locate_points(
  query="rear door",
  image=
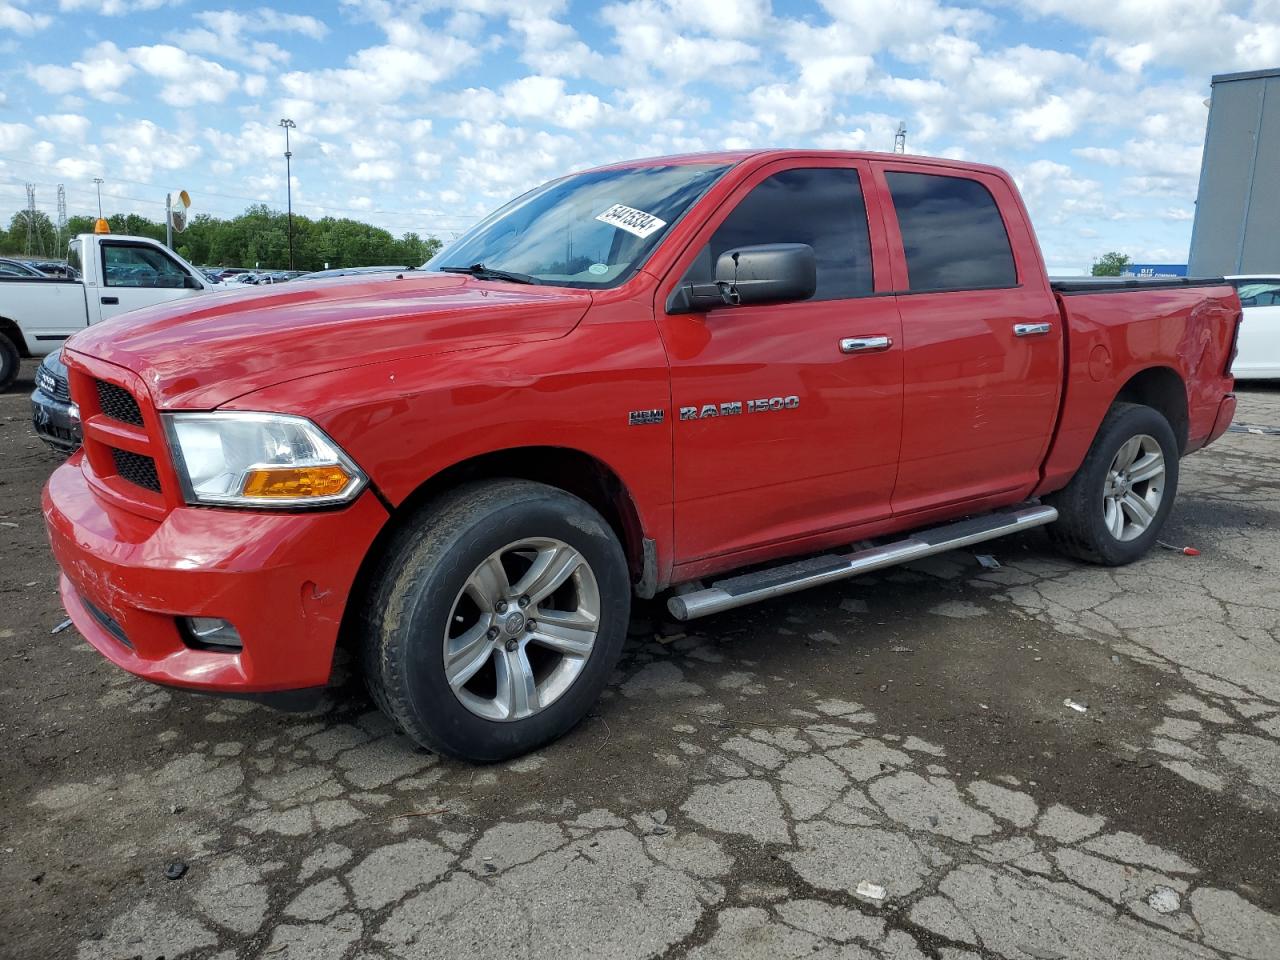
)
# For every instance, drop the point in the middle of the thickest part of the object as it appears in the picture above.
(780, 432)
(981, 334)
(135, 275)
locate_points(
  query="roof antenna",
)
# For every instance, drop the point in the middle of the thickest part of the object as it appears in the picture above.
(900, 138)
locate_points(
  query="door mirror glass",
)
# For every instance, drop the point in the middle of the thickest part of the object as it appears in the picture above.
(766, 273)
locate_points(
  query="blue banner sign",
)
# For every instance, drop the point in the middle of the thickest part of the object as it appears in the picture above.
(1155, 270)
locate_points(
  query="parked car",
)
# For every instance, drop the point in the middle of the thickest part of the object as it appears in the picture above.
(1258, 351)
(55, 418)
(114, 274)
(16, 268)
(349, 272)
(649, 376)
(53, 268)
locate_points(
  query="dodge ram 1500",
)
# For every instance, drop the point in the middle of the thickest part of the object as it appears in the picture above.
(727, 376)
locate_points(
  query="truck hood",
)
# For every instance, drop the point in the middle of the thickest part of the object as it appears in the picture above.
(202, 352)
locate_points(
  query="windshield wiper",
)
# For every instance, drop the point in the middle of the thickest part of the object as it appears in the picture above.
(481, 272)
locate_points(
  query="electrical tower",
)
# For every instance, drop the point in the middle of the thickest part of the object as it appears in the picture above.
(900, 138)
(35, 242)
(62, 218)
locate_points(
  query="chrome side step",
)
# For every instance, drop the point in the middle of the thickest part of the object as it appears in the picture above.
(789, 578)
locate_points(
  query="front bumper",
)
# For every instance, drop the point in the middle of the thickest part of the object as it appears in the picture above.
(282, 579)
(53, 421)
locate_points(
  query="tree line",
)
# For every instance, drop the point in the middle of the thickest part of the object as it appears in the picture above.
(258, 238)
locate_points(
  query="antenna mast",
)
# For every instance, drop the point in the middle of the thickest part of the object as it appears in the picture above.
(900, 138)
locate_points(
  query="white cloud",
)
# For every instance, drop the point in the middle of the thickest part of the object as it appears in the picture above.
(1196, 35)
(545, 98)
(228, 34)
(382, 74)
(113, 8)
(143, 148)
(187, 78)
(100, 73)
(14, 135)
(13, 17)
(1058, 116)
(68, 126)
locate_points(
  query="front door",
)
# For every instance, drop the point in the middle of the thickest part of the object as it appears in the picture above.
(981, 333)
(135, 275)
(783, 425)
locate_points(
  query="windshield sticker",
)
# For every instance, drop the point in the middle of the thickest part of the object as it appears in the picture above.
(598, 268)
(631, 220)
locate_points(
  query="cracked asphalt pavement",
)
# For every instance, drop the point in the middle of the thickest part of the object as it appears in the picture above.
(885, 768)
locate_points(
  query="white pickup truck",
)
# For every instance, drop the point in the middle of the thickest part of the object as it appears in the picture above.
(117, 274)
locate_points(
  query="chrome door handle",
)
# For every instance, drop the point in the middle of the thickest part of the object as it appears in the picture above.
(865, 344)
(1031, 329)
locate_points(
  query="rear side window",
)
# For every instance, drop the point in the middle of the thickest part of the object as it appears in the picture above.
(822, 207)
(952, 233)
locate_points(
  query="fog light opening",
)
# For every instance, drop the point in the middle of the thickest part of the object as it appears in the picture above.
(211, 633)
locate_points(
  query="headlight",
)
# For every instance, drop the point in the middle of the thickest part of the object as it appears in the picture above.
(259, 460)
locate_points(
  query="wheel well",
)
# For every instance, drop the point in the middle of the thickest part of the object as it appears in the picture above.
(570, 470)
(1161, 389)
(10, 329)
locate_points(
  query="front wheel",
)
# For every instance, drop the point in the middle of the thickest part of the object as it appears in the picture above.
(496, 620)
(1114, 507)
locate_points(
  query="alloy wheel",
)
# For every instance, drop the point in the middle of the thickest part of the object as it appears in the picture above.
(521, 629)
(1134, 488)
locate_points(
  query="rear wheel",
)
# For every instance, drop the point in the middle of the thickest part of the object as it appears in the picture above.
(10, 362)
(1114, 507)
(497, 619)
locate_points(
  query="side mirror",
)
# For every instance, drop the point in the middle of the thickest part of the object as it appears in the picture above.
(767, 273)
(190, 282)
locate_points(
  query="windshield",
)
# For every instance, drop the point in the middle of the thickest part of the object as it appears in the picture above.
(587, 230)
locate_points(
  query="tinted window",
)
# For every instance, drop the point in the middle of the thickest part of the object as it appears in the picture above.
(952, 233)
(128, 266)
(820, 207)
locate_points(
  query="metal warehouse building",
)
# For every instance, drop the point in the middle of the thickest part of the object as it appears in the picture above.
(1237, 225)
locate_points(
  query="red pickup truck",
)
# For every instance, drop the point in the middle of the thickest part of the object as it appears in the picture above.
(728, 376)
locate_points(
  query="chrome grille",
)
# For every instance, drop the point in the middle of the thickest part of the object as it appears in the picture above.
(118, 404)
(52, 384)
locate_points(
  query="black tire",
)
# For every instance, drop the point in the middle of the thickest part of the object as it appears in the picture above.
(1080, 530)
(10, 363)
(412, 599)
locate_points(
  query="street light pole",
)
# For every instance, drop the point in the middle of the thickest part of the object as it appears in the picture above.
(98, 181)
(288, 179)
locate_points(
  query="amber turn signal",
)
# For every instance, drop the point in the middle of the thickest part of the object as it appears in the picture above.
(294, 483)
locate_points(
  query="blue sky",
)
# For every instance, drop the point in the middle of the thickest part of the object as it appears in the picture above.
(424, 115)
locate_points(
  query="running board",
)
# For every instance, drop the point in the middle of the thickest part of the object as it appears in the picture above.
(789, 578)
